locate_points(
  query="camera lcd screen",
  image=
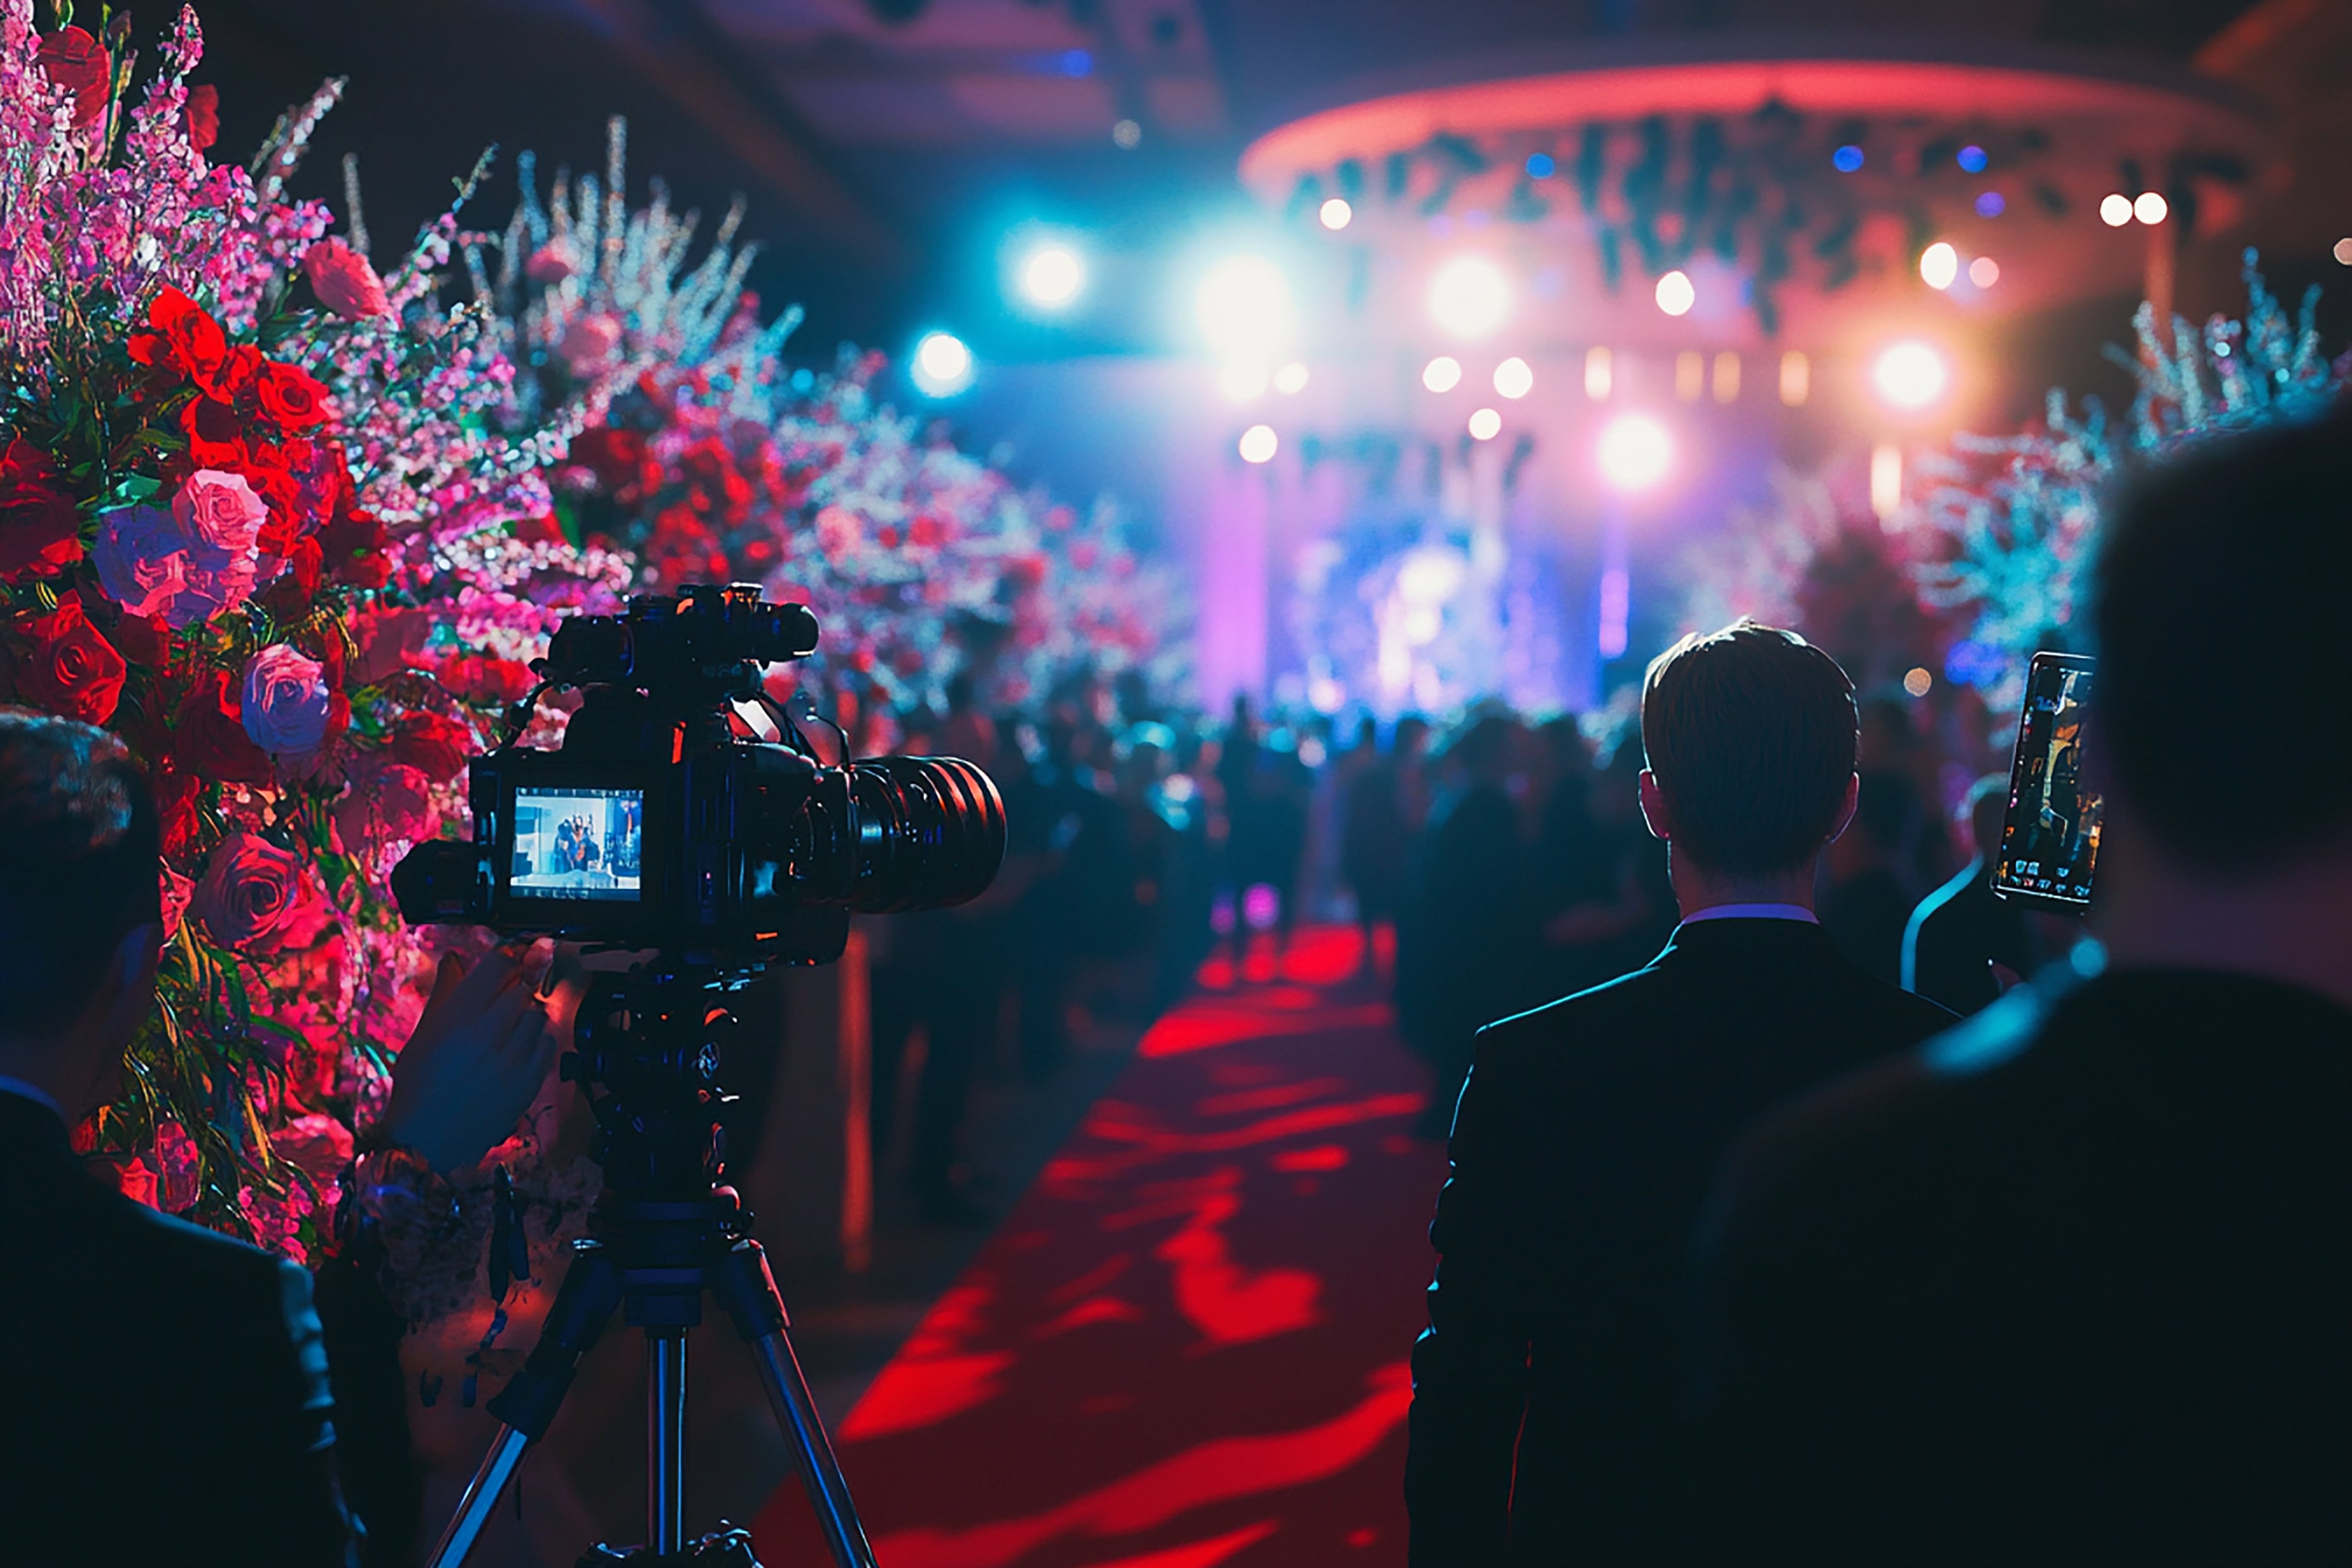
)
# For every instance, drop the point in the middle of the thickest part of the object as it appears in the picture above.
(577, 842)
(2049, 840)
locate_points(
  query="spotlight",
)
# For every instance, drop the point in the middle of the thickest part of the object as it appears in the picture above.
(1486, 424)
(1513, 378)
(1442, 374)
(1291, 378)
(2150, 208)
(1469, 296)
(1245, 307)
(942, 364)
(1675, 293)
(1052, 276)
(2115, 210)
(1259, 443)
(1940, 264)
(1336, 214)
(1910, 374)
(1634, 453)
(1984, 272)
(1243, 381)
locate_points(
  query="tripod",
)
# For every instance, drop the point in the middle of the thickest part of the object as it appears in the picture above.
(647, 1051)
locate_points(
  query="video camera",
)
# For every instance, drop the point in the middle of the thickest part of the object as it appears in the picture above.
(668, 821)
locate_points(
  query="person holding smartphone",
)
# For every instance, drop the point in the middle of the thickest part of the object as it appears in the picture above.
(2070, 1283)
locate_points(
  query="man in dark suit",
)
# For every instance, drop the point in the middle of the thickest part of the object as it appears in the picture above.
(1547, 1389)
(2072, 1284)
(163, 1397)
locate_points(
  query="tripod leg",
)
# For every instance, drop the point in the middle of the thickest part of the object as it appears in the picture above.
(749, 1290)
(665, 1441)
(583, 1302)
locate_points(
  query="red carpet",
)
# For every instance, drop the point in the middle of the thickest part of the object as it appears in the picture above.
(1186, 1346)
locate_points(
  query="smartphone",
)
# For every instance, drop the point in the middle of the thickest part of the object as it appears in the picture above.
(2049, 839)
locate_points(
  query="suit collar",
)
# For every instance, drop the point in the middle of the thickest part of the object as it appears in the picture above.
(1747, 935)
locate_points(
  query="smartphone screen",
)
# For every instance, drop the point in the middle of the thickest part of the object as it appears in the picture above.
(2049, 840)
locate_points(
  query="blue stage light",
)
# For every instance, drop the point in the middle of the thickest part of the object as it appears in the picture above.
(1847, 158)
(1973, 159)
(1541, 166)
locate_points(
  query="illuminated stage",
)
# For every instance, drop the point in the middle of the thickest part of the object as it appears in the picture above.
(1535, 326)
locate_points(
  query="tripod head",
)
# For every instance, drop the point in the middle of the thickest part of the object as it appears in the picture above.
(648, 1047)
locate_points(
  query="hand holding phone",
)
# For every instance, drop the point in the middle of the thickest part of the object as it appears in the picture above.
(2049, 838)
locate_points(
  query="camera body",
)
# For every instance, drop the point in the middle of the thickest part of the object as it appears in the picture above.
(668, 821)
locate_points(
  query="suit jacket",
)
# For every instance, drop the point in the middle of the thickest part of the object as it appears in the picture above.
(163, 1397)
(1582, 1155)
(2073, 1285)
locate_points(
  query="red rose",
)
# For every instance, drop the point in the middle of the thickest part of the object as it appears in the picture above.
(240, 368)
(180, 335)
(68, 668)
(436, 747)
(291, 396)
(208, 736)
(215, 436)
(257, 895)
(40, 530)
(143, 639)
(344, 282)
(78, 63)
(200, 116)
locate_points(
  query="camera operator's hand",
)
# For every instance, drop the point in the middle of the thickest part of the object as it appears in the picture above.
(476, 1058)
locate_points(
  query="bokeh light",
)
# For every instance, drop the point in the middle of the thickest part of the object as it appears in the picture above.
(1992, 203)
(1675, 293)
(1469, 296)
(1972, 158)
(1052, 276)
(2116, 210)
(1847, 158)
(1598, 373)
(1259, 443)
(1127, 135)
(1541, 166)
(943, 365)
(1634, 453)
(1984, 272)
(1918, 681)
(1291, 378)
(1940, 264)
(1513, 379)
(1245, 307)
(1442, 374)
(2342, 251)
(1244, 380)
(1486, 424)
(1910, 374)
(2150, 208)
(1336, 214)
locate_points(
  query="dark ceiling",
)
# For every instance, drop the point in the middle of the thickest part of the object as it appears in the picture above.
(886, 147)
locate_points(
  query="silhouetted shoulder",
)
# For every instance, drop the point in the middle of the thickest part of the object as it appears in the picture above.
(1588, 1017)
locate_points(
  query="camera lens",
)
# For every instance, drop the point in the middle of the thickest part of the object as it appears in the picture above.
(930, 834)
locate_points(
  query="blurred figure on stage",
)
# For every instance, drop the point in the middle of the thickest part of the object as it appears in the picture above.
(1965, 945)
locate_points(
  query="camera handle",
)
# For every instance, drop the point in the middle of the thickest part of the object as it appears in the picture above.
(663, 1237)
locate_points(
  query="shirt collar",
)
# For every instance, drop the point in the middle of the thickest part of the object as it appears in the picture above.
(1753, 912)
(33, 1092)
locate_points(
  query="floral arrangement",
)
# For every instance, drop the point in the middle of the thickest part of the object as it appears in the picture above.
(706, 458)
(242, 527)
(2015, 516)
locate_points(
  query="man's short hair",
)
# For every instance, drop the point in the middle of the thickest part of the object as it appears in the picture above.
(1752, 733)
(79, 865)
(2221, 602)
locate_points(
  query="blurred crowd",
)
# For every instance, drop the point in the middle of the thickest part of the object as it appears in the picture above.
(1505, 851)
